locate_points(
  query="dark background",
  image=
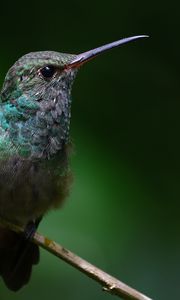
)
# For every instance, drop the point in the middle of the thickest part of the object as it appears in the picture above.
(123, 212)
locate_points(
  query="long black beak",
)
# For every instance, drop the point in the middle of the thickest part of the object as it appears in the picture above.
(88, 55)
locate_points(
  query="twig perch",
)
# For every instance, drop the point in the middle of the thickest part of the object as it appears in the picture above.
(109, 283)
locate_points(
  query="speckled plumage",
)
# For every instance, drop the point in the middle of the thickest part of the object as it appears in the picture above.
(34, 148)
(34, 134)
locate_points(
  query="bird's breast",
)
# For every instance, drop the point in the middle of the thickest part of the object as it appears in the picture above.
(28, 189)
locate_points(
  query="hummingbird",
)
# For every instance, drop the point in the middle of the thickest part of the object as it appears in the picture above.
(35, 176)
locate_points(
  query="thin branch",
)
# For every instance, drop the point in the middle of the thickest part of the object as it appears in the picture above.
(110, 284)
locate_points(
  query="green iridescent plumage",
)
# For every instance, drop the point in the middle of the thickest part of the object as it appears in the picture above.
(34, 138)
(34, 135)
(31, 105)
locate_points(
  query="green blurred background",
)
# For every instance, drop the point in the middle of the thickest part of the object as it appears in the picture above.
(123, 212)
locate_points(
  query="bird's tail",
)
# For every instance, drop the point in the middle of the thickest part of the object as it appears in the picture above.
(15, 268)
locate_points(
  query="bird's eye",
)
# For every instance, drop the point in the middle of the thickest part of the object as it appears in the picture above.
(47, 71)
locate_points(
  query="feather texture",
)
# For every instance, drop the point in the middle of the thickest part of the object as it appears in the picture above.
(34, 153)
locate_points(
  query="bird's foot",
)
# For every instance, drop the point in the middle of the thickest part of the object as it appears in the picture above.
(30, 230)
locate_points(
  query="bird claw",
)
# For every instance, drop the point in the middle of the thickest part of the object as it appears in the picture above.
(30, 230)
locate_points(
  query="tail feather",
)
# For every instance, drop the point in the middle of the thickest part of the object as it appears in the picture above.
(16, 273)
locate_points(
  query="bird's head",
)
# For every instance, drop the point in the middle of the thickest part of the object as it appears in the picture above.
(39, 76)
(45, 75)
